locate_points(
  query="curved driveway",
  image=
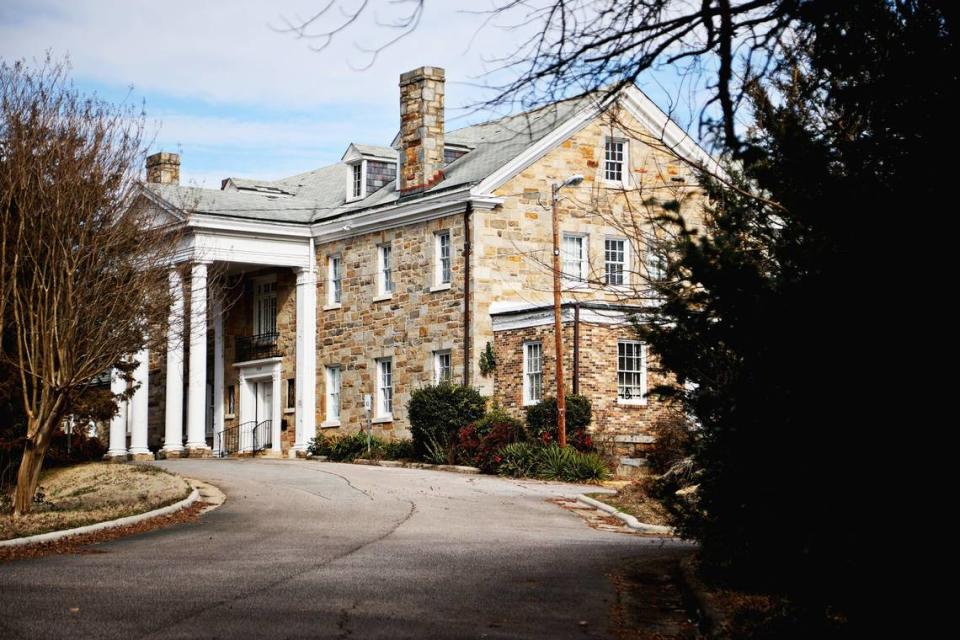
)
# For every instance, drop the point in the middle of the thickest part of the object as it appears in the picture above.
(303, 549)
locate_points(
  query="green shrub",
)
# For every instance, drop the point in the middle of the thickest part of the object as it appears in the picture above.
(346, 448)
(438, 412)
(398, 450)
(550, 462)
(542, 421)
(480, 442)
(518, 460)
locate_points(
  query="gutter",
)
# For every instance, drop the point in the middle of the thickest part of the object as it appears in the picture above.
(467, 254)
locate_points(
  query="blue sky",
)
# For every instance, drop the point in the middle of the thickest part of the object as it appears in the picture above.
(235, 97)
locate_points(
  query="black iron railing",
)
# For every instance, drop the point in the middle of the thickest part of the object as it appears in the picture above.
(262, 345)
(249, 437)
(263, 435)
(230, 441)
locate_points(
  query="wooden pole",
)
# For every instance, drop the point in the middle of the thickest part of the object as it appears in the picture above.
(558, 326)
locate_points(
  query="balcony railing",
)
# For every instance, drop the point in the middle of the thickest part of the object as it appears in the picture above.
(262, 345)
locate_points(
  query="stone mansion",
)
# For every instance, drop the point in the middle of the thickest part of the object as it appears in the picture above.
(341, 290)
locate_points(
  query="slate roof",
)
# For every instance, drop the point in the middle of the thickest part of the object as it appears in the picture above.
(321, 193)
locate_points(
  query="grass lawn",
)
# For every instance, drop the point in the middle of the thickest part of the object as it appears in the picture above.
(94, 492)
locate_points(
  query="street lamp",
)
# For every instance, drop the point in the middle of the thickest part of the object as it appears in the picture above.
(572, 181)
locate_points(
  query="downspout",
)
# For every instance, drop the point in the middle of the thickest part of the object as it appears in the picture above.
(466, 291)
(576, 348)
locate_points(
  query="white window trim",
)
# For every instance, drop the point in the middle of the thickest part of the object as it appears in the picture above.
(381, 291)
(438, 283)
(625, 169)
(627, 260)
(642, 400)
(436, 364)
(363, 181)
(583, 280)
(527, 399)
(331, 303)
(379, 415)
(328, 393)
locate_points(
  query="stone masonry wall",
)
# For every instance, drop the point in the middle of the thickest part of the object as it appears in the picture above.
(512, 243)
(408, 327)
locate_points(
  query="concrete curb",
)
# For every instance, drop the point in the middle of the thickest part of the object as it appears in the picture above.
(709, 618)
(52, 536)
(628, 519)
(399, 464)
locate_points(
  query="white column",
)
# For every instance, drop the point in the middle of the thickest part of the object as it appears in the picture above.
(197, 381)
(173, 406)
(140, 408)
(306, 384)
(118, 423)
(243, 411)
(275, 409)
(217, 370)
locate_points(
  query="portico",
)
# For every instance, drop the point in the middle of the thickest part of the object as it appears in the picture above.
(200, 358)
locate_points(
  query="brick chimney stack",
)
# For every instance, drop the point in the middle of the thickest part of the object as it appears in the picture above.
(421, 129)
(163, 168)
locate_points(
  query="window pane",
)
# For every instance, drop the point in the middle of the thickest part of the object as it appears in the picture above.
(357, 179)
(443, 254)
(386, 387)
(613, 161)
(386, 271)
(630, 371)
(333, 393)
(614, 261)
(572, 257)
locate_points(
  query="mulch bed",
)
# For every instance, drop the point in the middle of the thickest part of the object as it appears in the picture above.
(86, 543)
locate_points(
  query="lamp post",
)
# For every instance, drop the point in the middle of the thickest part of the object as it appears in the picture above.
(557, 325)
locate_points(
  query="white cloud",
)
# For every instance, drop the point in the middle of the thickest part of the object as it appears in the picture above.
(227, 52)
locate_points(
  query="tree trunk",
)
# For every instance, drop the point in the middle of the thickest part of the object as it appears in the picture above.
(28, 477)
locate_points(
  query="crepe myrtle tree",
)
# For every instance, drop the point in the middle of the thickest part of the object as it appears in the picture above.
(84, 265)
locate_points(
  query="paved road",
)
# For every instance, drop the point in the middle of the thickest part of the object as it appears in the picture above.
(303, 549)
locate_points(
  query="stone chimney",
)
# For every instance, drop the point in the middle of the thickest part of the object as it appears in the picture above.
(163, 168)
(421, 129)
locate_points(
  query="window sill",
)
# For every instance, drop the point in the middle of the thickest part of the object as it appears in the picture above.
(382, 297)
(331, 307)
(289, 410)
(229, 416)
(441, 287)
(382, 419)
(632, 403)
(329, 424)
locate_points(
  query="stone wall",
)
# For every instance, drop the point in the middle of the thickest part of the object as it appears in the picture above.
(512, 243)
(408, 326)
(624, 431)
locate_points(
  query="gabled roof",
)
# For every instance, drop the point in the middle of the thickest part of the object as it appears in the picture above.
(496, 148)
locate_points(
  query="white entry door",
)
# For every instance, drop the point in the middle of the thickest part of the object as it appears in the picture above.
(264, 397)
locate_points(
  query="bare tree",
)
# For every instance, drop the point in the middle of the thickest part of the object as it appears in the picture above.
(569, 48)
(84, 263)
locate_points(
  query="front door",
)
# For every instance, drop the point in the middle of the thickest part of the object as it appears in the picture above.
(264, 398)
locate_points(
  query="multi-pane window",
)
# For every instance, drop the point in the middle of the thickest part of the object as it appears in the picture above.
(385, 269)
(656, 261)
(291, 393)
(335, 277)
(574, 257)
(614, 160)
(357, 181)
(631, 372)
(265, 307)
(443, 257)
(532, 372)
(333, 394)
(614, 260)
(231, 400)
(385, 387)
(441, 366)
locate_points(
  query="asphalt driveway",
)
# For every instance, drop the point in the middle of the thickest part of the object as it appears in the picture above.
(303, 549)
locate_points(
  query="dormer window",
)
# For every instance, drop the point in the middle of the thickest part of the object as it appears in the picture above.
(357, 181)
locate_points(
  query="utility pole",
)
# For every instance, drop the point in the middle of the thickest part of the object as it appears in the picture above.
(557, 323)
